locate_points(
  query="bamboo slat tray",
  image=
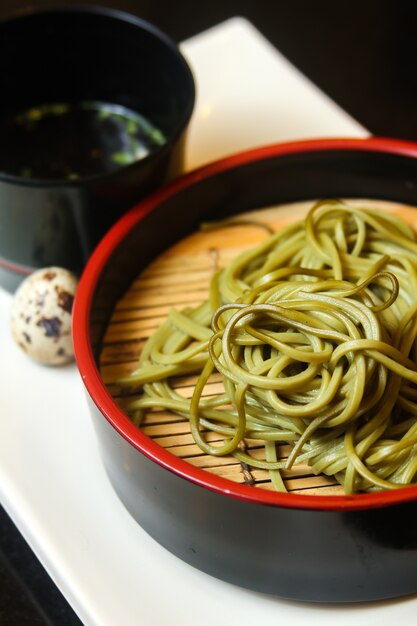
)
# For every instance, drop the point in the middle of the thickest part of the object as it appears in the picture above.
(180, 278)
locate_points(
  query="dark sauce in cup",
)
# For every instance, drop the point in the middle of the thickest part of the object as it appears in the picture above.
(74, 140)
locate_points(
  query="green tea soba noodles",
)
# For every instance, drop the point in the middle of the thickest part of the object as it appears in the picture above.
(314, 335)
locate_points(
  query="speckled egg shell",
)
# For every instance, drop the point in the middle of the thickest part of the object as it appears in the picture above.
(41, 315)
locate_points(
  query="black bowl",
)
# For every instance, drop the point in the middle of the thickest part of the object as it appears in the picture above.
(78, 55)
(321, 548)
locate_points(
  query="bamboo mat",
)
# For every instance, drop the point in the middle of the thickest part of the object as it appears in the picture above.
(179, 278)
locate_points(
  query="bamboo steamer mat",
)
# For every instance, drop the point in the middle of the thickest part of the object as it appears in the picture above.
(180, 278)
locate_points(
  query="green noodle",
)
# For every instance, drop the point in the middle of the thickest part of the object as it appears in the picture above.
(314, 335)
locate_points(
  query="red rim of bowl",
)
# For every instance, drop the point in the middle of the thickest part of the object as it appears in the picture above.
(102, 398)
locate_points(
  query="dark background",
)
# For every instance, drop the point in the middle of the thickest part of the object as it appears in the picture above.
(362, 54)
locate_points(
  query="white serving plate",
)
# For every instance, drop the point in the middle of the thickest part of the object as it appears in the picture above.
(52, 482)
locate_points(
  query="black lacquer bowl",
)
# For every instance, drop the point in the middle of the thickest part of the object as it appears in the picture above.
(315, 548)
(84, 54)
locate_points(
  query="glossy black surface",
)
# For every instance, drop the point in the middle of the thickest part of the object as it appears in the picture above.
(362, 54)
(78, 55)
(314, 556)
(305, 554)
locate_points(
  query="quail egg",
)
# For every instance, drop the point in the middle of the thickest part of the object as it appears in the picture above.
(41, 315)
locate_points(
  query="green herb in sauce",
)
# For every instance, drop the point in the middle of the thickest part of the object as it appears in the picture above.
(72, 140)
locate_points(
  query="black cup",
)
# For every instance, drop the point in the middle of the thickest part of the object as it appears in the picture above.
(85, 54)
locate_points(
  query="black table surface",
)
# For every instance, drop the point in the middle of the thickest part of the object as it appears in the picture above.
(362, 54)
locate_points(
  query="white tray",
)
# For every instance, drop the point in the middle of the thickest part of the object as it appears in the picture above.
(52, 482)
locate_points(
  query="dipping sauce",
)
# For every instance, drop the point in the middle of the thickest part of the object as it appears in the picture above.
(74, 140)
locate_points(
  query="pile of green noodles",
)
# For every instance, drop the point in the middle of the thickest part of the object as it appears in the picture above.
(314, 335)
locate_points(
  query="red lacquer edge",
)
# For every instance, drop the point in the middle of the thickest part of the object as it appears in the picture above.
(15, 268)
(103, 400)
